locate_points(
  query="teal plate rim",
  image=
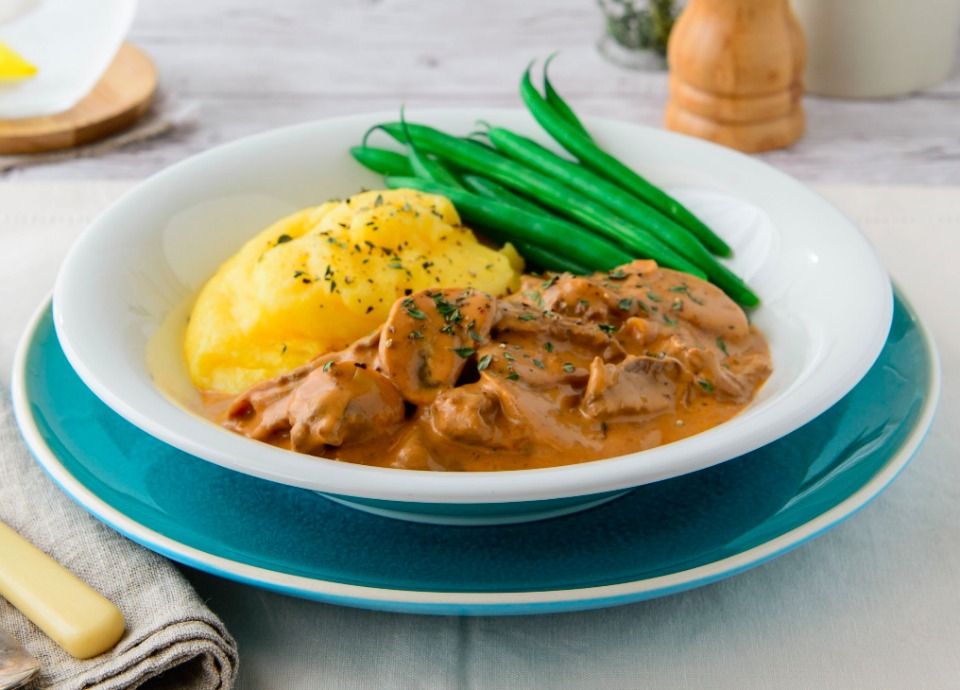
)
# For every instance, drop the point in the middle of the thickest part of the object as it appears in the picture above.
(659, 539)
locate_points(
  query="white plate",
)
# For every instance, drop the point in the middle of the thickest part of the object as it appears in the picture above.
(72, 43)
(827, 300)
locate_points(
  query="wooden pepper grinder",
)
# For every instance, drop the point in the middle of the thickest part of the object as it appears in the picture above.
(736, 73)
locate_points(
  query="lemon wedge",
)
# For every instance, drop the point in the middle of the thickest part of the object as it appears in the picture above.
(13, 66)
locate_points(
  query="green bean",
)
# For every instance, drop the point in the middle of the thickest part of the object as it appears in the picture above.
(425, 166)
(624, 204)
(492, 190)
(591, 251)
(477, 158)
(601, 162)
(381, 161)
(542, 256)
(430, 168)
(560, 105)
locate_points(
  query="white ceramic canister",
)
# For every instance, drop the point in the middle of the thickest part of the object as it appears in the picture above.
(877, 48)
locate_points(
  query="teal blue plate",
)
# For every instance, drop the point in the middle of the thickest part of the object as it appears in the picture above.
(658, 539)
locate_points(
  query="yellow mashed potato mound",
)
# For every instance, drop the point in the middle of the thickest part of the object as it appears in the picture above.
(325, 276)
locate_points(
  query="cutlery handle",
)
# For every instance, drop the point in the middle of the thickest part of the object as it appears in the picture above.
(75, 616)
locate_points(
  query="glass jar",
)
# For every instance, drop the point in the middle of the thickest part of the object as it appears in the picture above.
(636, 32)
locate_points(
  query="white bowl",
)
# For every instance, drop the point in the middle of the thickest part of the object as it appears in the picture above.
(827, 305)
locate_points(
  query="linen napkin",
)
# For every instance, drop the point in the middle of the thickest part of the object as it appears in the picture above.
(172, 638)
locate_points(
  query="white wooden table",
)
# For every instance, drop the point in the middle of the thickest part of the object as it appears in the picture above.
(253, 65)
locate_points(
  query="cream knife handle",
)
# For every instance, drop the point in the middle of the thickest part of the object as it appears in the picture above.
(75, 616)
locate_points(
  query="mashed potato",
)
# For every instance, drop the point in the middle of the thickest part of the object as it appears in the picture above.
(326, 276)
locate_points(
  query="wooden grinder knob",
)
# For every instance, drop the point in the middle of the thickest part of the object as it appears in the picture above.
(736, 73)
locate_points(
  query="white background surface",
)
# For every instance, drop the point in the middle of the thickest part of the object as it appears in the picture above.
(874, 603)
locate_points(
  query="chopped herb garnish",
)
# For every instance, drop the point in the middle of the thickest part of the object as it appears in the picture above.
(283, 239)
(513, 376)
(677, 305)
(618, 274)
(476, 336)
(722, 345)
(626, 304)
(670, 322)
(327, 364)
(484, 362)
(508, 356)
(527, 317)
(654, 297)
(537, 363)
(679, 288)
(607, 327)
(464, 351)
(409, 306)
(548, 346)
(443, 306)
(569, 368)
(415, 335)
(705, 385)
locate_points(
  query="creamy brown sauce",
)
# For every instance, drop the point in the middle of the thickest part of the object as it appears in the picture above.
(570, 369)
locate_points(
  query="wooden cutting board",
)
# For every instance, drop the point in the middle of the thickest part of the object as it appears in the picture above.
(118, 100)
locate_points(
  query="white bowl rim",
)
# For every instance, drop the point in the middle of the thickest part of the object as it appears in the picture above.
(204, 440)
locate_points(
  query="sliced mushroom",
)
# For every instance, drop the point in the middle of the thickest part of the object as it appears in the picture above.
(547, 325)
(430, 335)
(582, 298)
(728, 384)
(638, 385)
